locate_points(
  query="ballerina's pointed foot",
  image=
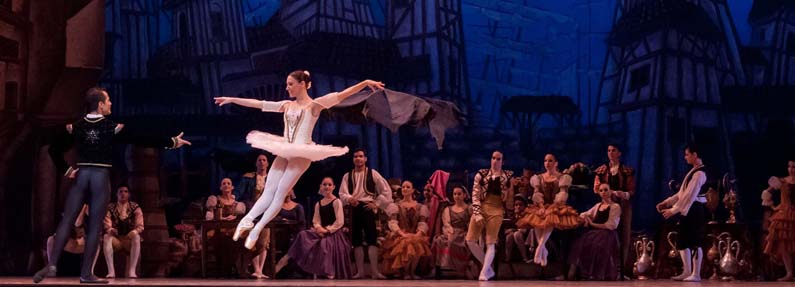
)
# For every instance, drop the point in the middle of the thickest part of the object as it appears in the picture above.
(245, 224)
(251, 240)
(486, 275)
(544, 256)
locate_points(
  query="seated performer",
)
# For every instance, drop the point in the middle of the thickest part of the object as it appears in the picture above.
(284, 237)
(621, 179)
(408, 240)
(323, 250)
(596, 251)
(780, 240)
(69, 263)
(124, 223)
(549, 209)
(224, 207)
(450, 246)
(249, 191)
(517, 237)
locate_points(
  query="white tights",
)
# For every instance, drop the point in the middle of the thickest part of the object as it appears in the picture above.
(542, 235)
(281, 178)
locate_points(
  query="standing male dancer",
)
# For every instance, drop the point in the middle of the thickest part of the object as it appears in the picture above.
(94, 136)
(365, 190)
(688, 203)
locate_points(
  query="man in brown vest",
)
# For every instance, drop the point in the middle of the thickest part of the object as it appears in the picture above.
(365, 190)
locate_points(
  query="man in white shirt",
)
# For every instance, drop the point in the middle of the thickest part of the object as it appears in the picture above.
(365, 190)
(688, 207)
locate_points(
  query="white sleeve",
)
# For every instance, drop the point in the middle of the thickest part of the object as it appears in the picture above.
(564, 181)
(240, 208)
(345, 194)
(422, 225)
(591, 212)
(340, 217)
(614, 217)
(384, 197)
(535, 182)
(316, 216)
(212, 201)
(329, 100)
(476, 190)
(774, 182)
(268, 106)
(447, 227)
(689, 194)
(671, 200)
(391, 211)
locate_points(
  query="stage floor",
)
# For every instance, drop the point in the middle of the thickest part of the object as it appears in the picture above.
(26, 281)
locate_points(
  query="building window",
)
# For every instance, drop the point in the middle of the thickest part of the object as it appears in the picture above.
(639, 77)
(402, 3)
(676, 130)
(791, 42)
(183, 26)
(9, 49)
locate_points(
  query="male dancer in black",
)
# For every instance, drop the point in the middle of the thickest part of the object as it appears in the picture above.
(93, 136)
(688, 206)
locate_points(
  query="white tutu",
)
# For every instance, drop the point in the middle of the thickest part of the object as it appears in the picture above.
(279, 146)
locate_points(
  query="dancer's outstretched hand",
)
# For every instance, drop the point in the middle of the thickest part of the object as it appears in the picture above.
(179, 141)
(375, 85)
(220, 101)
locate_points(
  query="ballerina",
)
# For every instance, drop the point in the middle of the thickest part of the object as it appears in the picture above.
(295, 150)
(549, 209)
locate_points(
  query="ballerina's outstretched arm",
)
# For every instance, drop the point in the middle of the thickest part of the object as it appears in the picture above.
(373, 85)
(333, 99)
(251, 103)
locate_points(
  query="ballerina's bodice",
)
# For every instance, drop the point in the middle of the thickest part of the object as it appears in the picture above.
(299, 122)
(549, 189)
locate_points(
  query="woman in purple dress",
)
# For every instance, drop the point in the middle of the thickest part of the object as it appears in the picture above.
(595, 253)
(323, 250)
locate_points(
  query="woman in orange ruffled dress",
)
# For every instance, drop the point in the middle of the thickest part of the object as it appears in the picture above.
(549, 209)
(408, 240)
(780, 241)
